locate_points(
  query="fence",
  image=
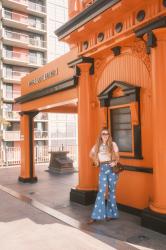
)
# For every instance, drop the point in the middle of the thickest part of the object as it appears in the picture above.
(11, 156)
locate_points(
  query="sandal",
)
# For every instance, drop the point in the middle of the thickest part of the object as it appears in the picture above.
(108, 218)
(91, 221)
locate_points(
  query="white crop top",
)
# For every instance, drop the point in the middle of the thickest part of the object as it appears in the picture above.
(103, 153)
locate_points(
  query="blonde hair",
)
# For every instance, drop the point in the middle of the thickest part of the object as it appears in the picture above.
(99, 141)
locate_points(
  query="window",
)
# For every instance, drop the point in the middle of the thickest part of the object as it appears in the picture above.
(121, 128)
(123, 101)
(9, 144)
(8, 71)
(9, 90)
(32, 57)
(8, 107)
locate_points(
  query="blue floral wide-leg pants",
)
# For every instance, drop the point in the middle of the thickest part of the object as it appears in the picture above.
(109, 210)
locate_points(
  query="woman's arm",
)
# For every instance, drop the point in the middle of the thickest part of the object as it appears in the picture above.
(116, 154)
(93, 156)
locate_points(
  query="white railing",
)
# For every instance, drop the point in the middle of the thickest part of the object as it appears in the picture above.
(15, 75)
(23, 19)
(37, 61)
(14, 55)
(36, 7)
(40, 135)
(37, 42)
(17, 36)
(25, 2)
(11, 115)
(10, 95)
(37, 25)
(23, 57)
(11, 156)
(16, 17)
(11, 135)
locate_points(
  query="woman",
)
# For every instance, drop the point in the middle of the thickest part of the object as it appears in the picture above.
(105, 154)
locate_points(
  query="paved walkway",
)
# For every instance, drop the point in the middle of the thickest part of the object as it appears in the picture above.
(40, 216)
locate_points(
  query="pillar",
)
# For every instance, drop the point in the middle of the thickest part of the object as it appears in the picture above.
(27, 172)
(85, 190)
(155, 217)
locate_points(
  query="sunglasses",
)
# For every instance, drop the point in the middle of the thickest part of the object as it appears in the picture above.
(105, 134)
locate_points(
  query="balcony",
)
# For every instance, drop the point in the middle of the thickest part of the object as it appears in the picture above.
(11, 135)
(37, 27)
(36, 9)
(37, 44)
(11, 115)
(14, 77)
(13, 19)
(41, 135)
(22, 59)
(36, 62)
(15, 58)
(22, 40)
(15, 39)
(20, 5)
(11, 95)
(20, 21)
(26, 7)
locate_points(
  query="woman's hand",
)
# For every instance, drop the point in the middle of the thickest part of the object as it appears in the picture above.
(112, 164)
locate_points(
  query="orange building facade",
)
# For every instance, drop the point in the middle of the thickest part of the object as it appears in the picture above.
(114, 75)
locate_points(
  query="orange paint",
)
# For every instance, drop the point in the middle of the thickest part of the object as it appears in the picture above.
(133, 66)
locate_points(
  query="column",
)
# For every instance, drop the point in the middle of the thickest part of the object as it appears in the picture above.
(27, 172)
(84, 192)
(155, 218)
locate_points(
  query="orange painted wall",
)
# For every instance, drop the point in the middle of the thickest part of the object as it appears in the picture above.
(134, 189)
(60, 64)
(55, 100)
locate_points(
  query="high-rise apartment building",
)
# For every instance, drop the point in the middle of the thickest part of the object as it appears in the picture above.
(23, 48)
(57, 14)
(27, 42)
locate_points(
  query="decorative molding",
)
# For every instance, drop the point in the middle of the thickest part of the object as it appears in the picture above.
(100, 37)
(85, 45)
(85, 16)
(75, 63)
(138, 49)
(140, 15)
(116, 50)
(110, 32)
(118, 27)
(151, 41)
(159, 23)
(54, 88)
(131, 94)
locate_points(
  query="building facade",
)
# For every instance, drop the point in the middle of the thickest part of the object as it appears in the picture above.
(27, 42)
(114, 75)
(23, 47)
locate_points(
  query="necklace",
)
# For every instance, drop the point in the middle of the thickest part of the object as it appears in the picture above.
(104, 146)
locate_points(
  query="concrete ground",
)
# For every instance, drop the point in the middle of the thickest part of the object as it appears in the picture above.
(40, 216)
